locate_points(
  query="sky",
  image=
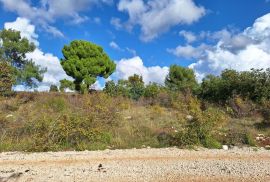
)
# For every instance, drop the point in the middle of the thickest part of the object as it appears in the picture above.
(145, 37)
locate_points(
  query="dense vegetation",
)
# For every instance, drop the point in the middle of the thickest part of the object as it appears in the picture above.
(231, 109)
(85, 61)
(15, 67)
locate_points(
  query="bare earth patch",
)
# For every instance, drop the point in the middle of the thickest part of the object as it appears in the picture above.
(168, 164)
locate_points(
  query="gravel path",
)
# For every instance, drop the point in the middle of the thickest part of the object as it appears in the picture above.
(155, 165)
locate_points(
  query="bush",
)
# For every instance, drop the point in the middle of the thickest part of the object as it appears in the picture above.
(200, 130)
(253, 85)
(238, 137)
(240, 107)
(68, 131)
(152, 90)
(211, 143)
(56, 104)
(7, 78)
(248, 139)
(266, 115)
(54, 88)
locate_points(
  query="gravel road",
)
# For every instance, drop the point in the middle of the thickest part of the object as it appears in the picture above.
(170, 164)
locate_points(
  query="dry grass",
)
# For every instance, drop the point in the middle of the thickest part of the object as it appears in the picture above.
(58, 121)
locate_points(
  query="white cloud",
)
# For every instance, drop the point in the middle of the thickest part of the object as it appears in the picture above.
(241, 51)
(158, 16)
(132, 51)
(48, 11)
(55, 72)
(115, 46)
(27, 30)
(188, 51)
(116, 22)
(189, 36)
(129, 67)
(53, 30)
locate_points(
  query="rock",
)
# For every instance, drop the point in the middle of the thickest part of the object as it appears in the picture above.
(225, 147)
(267, 147)
(128, 118)
(8, 116)
(189, 117)
(27, 170)
(260, 135)
(260, 138)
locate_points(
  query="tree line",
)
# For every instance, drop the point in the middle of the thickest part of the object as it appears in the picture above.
(85, 61)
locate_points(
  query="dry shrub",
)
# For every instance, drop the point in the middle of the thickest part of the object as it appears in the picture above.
(68, 131)
(25, 97)
(241, 108)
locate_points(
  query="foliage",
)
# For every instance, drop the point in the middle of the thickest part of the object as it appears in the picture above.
(133, 87)
(7, 78)
(152, 90)
(53, 122)
(253, 85)
(53, 88)
(110, 88)
(181, 79)
(13, 50)
(66, 84)
(59, 121)
(200, 129)
(68, 130)
(85, 61)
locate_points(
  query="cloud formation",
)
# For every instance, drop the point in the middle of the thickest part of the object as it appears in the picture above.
(129, 67)
(46, 12)
(55, 72)
(189, 52)
(189, 36)
(240, 51)
(27, 30)
(115, 46)
(157, 16)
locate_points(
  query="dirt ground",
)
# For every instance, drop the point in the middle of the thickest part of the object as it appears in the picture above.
(153, 165)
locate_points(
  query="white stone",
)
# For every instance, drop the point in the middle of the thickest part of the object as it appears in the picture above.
(189, 117)
(225, 147)
(8, 116)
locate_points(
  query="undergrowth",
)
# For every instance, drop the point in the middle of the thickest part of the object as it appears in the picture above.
(59, 122)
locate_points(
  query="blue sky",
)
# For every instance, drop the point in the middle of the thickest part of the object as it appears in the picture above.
(146, 37)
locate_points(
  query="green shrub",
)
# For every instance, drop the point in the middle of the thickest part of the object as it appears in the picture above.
(200, 130)
(152, 90)
(54, 88)
(68, 131)
(253, 85)
(211, 142)
(7, 78)
(249, 140)
(238, 137)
